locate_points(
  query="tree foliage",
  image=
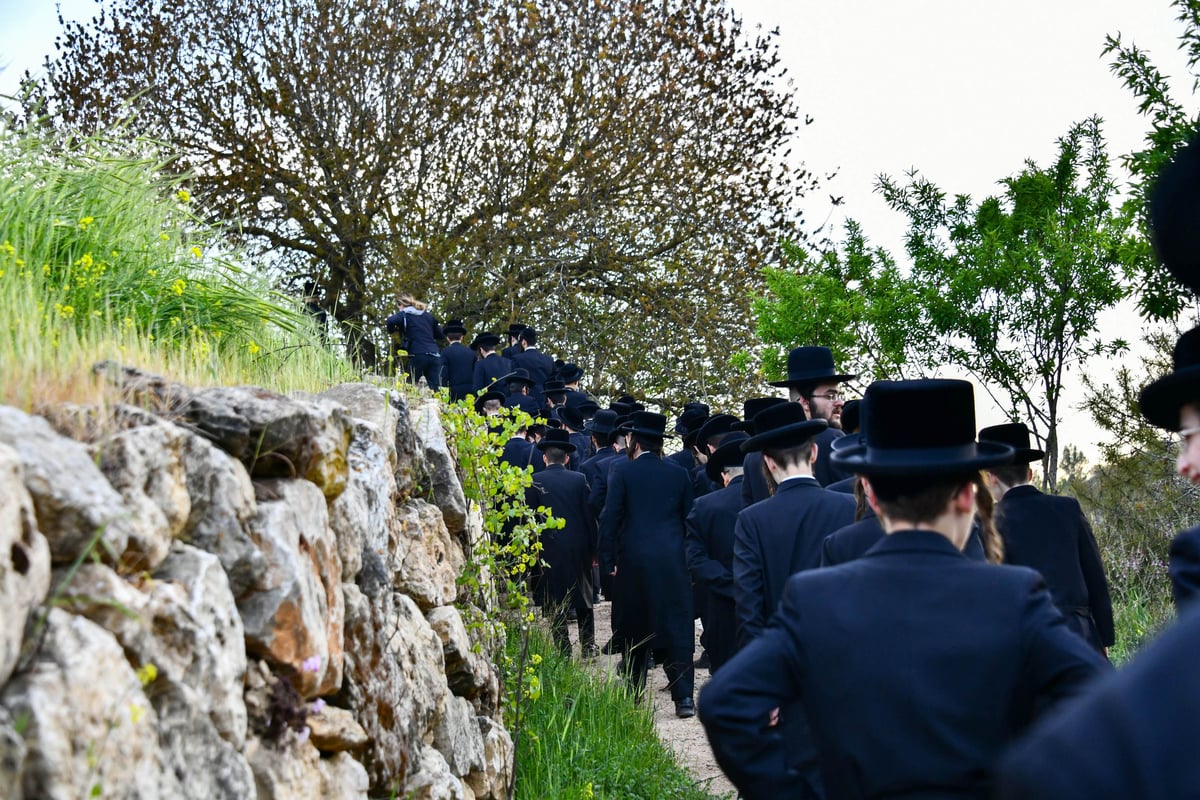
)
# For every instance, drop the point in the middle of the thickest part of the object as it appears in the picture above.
(604, 164)
(1160, 296)
(1015, 283)
(852, 299)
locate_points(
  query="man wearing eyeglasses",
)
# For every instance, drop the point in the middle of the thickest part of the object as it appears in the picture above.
(814, 382)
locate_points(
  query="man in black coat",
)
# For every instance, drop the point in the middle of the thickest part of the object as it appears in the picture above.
(570, 374)
(754, 479)
(814, 382)
(514, 344)
(458, 361)
(641, 532)
(518, 451)
(709, 545)
(687, 425)
(535, 362)
(520, 386)
(914, 665)
(565, 580)
(1051, 535)
(490, 367)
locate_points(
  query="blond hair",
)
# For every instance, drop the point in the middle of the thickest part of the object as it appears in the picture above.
(409, 300)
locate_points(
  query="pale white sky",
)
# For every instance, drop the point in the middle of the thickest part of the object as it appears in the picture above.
(962, 90)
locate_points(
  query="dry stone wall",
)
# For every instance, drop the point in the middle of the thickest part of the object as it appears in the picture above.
(230, 593)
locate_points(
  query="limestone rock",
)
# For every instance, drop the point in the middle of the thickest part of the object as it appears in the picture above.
(468, 673)
(491, 782)
(372, 405)
(87, 721)
(434, 780)
(295, 620)
(208, 766)
(12, 756)
(276, 436)
(458, 738)
(443, 472)
(432, 561)
(334, 729)
(222, 510)
(362, 516)
(72, 500)
(145, 464)
(24, 561)
(394, 679)
(343, 777)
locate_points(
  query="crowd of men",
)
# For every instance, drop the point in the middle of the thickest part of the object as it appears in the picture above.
(889, 606)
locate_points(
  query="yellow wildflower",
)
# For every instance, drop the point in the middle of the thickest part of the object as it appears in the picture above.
(147, 673)
(196, 251)
(85, 261)
(164, 237)
(135, 713)
(8, 247)
(20, 262)
(86, 222)
(253, 348)
(65, 311)
(184, 196)
(535, 659)
(178, 286)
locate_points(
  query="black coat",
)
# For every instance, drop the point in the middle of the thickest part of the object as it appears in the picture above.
(845, 485)
(777, 538)
(701, 485)
(1133, 736)
(906, 692)
(487, 370)
(1051, 534)
(709, 546)
(641, 534)
(824, 470)
(524, 402)
(583, 449)
(1184, 567)
(576, 398)
(855, 540)
(568, 551)
(683, 458)
(518, 452)
(539, 366)
(458, 361)
(595, 469)
(754, 484)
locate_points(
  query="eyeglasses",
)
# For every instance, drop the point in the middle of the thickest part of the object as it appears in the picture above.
(1186, 435)
(832, 397)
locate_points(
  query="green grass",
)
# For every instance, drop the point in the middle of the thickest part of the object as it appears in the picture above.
(582, 736)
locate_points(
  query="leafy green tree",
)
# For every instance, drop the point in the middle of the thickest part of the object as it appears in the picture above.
(1172, 125)
(852, 299)
(1013, 285)
(575, 164)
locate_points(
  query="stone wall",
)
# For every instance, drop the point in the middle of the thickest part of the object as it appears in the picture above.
(229, 593)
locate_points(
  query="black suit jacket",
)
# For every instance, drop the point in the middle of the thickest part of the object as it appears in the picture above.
(539, 366)
(754, 484)
(1184, 567)
(709, 546)
(518, 452)
(488, 370)
(824, 470)
(915, 667)
(567, 551)
(1051, 534)
(1133, 736)
(777, 538)
(595, 469)
(458, 362)
(855, 540)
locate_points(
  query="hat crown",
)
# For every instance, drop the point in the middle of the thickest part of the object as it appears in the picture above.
(1187, 350)
(555, 436)
(754, 406)
(1014, 434)
(895, 413)
(648, 423)
(779, 415)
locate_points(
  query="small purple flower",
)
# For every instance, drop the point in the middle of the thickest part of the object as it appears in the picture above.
(311, 664)
(303, 734)
(317, 706)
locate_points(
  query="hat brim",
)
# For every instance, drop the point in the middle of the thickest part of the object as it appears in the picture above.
(803, 380)
(1162, 400)
(566, 446)
(644, 431)
(589, 428)
(715, 466)
(1027, 455)
(862, 459)
(486, 396)
(785, 435)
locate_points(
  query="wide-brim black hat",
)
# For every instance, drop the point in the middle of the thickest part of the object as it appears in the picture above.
(811, 365)
(751, 408)
(486, 396)
(690, 420)
(604, 422)
(569, 373)
(1174, 216)
(622, 408)
(588, 408)
(729, 454)
(783, 425)
(554, 387)
(1016, 436)
(518, 375)
(714, 426)
(556, 437)
(455, 326)
(851, 415)
(571, 416)
(1161, 400)
(845, 442)
(897, 441)
(515, 328)
(488, 340)
(646, 423)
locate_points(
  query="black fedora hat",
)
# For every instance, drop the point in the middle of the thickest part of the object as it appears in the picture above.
(714, 426)
(556, 437)
(851, 414)
(782, 425)
(454, 326)
(811, 365)
(1174, 216)
(554, 387)
(1161, 400)
(571, 416)
(729, 454)
(570, 373)
(515, 328)
(845, 442)
(622, 408)
(1016, 436)
(588, 408)
(604, 421)
(488, 340)
(646, 423)
(690, 419)
(751, 408)
(894, 442)
(518, 375)
(486, 396)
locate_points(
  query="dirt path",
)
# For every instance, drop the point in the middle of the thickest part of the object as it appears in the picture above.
(684, 736)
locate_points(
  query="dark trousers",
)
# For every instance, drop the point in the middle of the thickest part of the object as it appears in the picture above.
(427, 366)
(677, 663)
(587, 628)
